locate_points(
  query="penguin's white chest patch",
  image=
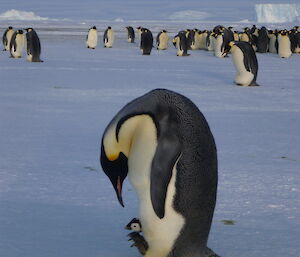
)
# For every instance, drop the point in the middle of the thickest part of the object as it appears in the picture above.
(243, 77)
(92, 38)
(284, 47)
(218, 47)
(20, 42)
(160, 234)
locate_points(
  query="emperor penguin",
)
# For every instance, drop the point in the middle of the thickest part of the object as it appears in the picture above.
(201, 38)
(211, 41)
(220, 43)
(236, 36)
(92, 38)
(146, 41)
(262, 40)
(7, 35)
(245, 35)
(33, 46)
(245, 62)
(162, 40)
(273, 41)
(134, 225)
(130, 34)
(284, 44)
(163, 143)
(108, 37)
(139, 32)
(17, 44)
(181, 43)
(295, 39)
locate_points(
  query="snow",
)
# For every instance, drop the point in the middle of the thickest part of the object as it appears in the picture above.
(277, 13)
(21, 16)
(55, 201)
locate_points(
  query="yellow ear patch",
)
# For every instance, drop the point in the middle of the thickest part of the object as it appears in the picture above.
(113, 157)
(231, 43)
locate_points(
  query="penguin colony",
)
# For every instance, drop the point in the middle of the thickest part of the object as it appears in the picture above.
(15, 41)
(218, 40)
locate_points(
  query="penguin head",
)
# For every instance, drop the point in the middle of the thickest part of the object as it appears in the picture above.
(94, 27)
(10, 27)
(28, 29)
(134, 225)
(109, 27)
(20, 31)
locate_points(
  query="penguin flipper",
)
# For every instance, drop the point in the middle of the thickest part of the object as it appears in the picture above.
(166, 156)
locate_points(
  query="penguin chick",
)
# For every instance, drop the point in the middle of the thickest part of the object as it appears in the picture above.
(134, 225)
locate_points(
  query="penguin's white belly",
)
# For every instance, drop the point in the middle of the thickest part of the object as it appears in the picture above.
(242, 77)
(179, 50)
(29, 57)
(163, 41)
(211, 45)
(92, 39)
(110, 38)
(8, 36)
(245, 37)
(297, 50)
(284, 47)
(272, 48)
(160, 234)
(218, 47)
(20, 42)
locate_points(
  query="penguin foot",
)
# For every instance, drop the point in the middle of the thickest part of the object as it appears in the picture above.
(139, 242)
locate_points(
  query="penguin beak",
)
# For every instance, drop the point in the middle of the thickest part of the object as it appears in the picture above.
(116, 170)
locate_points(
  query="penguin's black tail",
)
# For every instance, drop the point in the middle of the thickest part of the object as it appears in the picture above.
(210, 253)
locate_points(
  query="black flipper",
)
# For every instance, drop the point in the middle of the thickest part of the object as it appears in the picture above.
(166, 155)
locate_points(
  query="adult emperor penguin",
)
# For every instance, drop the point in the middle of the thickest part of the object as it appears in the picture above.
(162, 40)
(245, 62)
(17, 44)
(273, 41)
(7, 37)
(181, 43)
(108, 37)
(92, 38)
(262, 40)
(146, 41)
(33, 46)
(130, 34)
(163, 143)
(284, 44)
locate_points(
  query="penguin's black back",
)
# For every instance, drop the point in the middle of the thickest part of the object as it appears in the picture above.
(146, 41)
(262, 40)
(33, 45)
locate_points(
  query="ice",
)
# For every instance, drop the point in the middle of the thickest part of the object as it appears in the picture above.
(189, 15)
(277, 13)
(21, 16)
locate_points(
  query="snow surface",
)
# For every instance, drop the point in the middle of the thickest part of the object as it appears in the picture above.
(277, 13)
(55, 201)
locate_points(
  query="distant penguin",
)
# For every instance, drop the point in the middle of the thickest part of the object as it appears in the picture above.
(33, 46)
(139, 32)
(134, 225)
(236, 36)
(108, 37)
(130, 34)
(284, 44)
(245, 62)
(262, 40)
(295, 39)
(220, 43)
(181, 43)
(7, 35)
(17, 44)
(163, 143)
(92, 38)
(273, 41)
(245, 35)
(162, 40)
(191, 39)
(201, 38)
(146, 41)
(211, 41)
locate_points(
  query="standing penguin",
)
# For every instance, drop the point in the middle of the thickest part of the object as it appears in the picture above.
(146, 41)
(181, 43)
(130, 34)
(108, 37)
(33, 46)
(163, 143)
(7, 37)
(262, 40)
(284, 44)
(162, 40)
(92, 38)
(17, 44)
(245, 62)
(273, 42)
(211, 41)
